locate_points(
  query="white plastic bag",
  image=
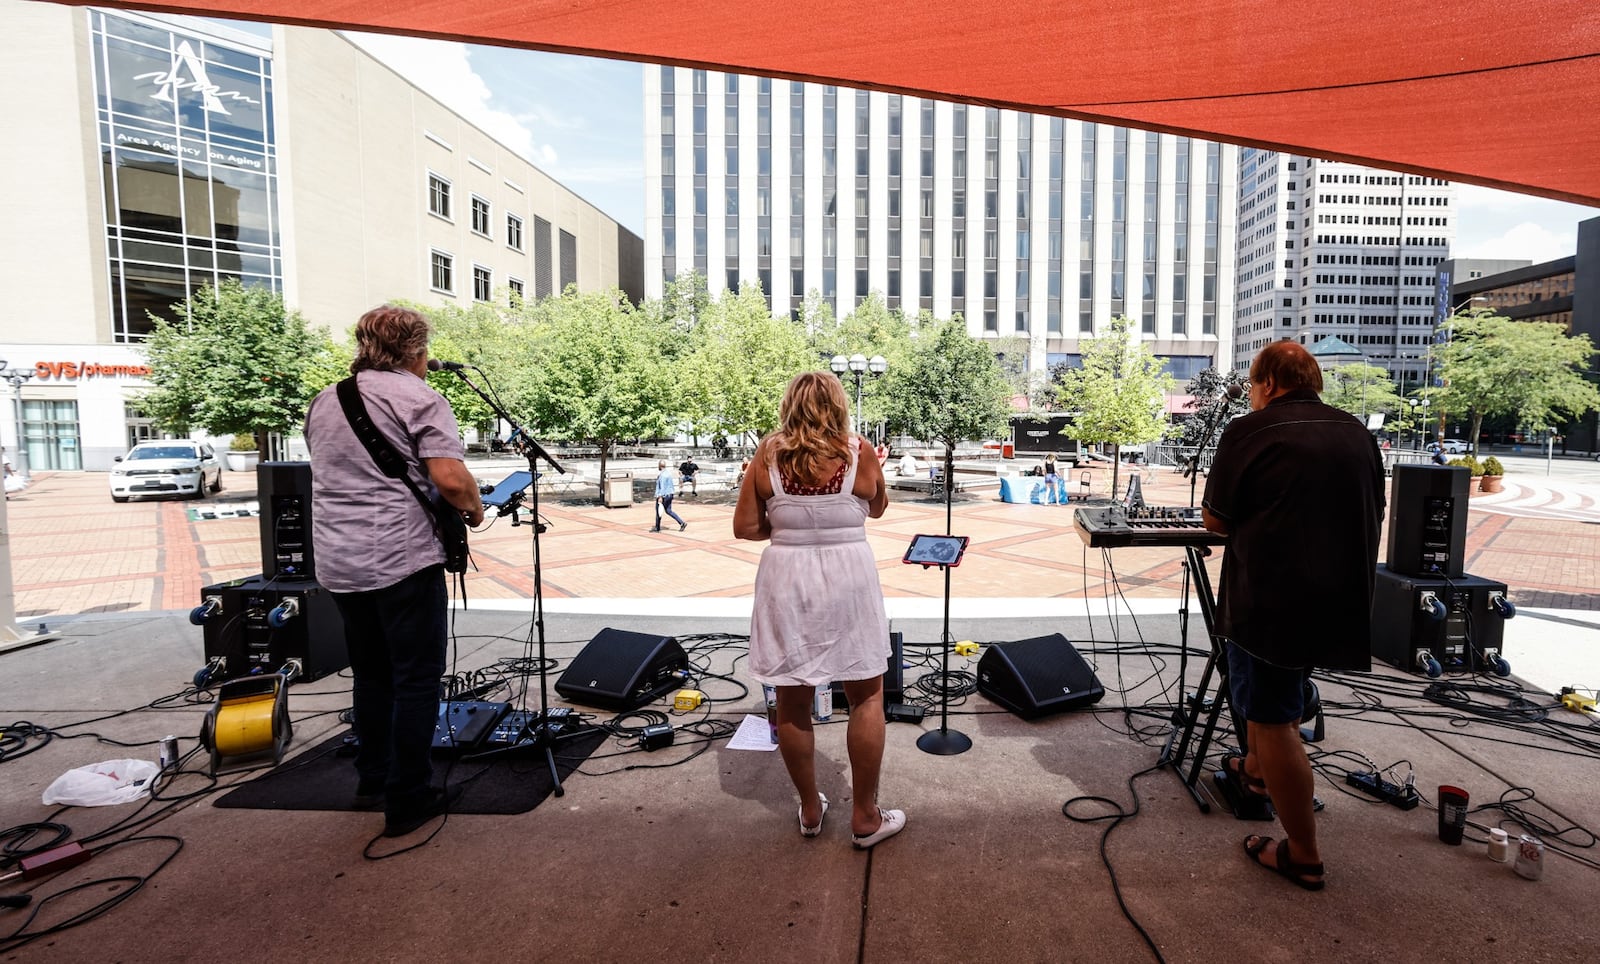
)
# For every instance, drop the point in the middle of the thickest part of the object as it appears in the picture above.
(102, 784)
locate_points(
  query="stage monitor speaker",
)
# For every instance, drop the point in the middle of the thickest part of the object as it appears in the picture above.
(260, 624)
(283, 490)
(1037, 677)
(893, 676)
(1428, 520)
(620, 670)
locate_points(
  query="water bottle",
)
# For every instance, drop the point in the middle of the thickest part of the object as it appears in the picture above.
(772, 711)
(822, 708)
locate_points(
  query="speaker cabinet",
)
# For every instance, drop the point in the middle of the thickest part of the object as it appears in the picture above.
(620, 670)
(1464, 632)
(893, 676)
(262, 623)
(283, 490)
(1037, 677)
(1428, 520)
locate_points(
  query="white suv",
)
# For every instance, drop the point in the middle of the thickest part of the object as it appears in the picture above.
(171, 467)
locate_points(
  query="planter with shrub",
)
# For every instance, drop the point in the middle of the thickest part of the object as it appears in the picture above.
(242, 453)
(1493, 472)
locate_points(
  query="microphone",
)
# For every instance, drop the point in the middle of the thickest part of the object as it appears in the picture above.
(1234, 392)
(435, 365)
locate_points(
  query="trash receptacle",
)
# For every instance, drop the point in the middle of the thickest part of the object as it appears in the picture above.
(1008, 450)
(618, 489)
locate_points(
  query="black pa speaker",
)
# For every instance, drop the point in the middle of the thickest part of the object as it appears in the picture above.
(1037, 677)
(1428, 520)
(621, 671)
(893, 676)
(283, 490)
(259, 624)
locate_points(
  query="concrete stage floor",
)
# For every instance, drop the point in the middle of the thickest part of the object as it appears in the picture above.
(702, 860)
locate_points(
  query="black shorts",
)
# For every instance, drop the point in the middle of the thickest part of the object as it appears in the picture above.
(1264, 693)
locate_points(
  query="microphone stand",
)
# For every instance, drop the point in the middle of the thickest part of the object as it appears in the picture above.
(1192, 470)
(543, 736)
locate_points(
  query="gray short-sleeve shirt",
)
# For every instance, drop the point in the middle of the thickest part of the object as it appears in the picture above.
(367, 529)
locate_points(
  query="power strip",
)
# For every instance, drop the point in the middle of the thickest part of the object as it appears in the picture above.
(1370, 783)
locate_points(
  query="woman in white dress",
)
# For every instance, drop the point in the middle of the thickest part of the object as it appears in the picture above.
(818, 611)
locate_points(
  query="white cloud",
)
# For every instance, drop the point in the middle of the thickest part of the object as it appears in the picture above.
(443, 69)
(1527, 241)
(1503, 224)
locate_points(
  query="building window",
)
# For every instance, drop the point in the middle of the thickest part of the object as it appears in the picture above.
(439, 196)
(513, 232)
(482, 283)
(515, 284)
(480, 216)
(443, 265)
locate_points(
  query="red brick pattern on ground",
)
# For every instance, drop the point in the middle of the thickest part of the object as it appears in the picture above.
(75, 551)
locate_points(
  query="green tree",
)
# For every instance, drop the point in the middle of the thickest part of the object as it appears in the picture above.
(871, 329)
(948, 389)
(1119, 393)
(742, 358)
(233, 360)
(1531, 370)
(485, 336)
(1213, 403)
(601, 375)
(1361, 390)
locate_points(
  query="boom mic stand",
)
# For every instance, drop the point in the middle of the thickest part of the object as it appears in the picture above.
(1192, 470)
(543, 733)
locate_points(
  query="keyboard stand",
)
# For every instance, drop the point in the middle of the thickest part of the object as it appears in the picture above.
(1202, 710)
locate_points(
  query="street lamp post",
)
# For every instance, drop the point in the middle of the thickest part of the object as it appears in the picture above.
(858, 365)
(16, 378)
(1414, 402)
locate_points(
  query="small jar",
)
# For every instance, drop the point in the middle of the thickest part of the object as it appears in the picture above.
(1499, 846)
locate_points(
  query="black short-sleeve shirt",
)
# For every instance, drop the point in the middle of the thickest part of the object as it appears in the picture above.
(1300, 486)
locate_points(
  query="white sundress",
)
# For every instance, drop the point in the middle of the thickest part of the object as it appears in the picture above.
(818, 612)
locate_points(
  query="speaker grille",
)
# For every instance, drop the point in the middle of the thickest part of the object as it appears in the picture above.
(1038, 676)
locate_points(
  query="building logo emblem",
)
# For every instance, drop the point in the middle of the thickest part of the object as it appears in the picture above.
(171, 82)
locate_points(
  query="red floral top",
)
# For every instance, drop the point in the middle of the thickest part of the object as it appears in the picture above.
(831, 487)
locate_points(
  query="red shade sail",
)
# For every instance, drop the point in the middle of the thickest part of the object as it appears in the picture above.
(1476, 91)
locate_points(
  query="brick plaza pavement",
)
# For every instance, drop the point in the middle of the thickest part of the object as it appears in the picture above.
(75, 551)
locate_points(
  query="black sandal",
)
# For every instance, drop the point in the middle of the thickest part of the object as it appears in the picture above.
(1283, 865)
(1237, 774)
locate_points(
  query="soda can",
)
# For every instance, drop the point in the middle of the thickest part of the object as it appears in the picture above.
(169, 752)
(822, 711)
(771, 696)
(1530, 857)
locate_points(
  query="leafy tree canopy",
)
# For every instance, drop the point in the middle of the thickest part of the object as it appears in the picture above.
(1361, 390)
(233, 360)
(949, 389)
(1533, 371)
(1213, 406)
(1119, 393)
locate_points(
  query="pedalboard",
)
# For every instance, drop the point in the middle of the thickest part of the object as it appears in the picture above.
(518, 726)
(462, 724)
(903, 713)
(1376, 786)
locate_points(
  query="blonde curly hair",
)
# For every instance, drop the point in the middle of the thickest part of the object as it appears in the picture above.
(813, 426)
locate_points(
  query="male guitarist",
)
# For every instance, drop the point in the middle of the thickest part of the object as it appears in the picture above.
(380, 559)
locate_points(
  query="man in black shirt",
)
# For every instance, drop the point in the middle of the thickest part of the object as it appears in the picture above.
(1297, 486)
(686, 472)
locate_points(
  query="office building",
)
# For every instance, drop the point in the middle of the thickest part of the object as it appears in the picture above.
(153, 155)
(1333, 249)
(1024, 225)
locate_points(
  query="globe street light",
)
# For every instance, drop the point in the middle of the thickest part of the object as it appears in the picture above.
(858, 365)
(16, 377)
(1414, 402)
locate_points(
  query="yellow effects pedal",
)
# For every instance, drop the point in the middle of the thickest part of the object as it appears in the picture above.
(687, 700)
(966, 648)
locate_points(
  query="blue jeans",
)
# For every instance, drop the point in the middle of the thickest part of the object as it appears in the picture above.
(396, 636)
(664, 504)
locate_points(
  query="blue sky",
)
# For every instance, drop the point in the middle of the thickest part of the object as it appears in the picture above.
(580, 119)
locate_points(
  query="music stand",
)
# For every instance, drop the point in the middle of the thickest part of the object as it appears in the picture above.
(945, 552)
(543, 733)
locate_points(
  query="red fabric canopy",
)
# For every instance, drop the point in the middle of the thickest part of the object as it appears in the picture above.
(1477, 91)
